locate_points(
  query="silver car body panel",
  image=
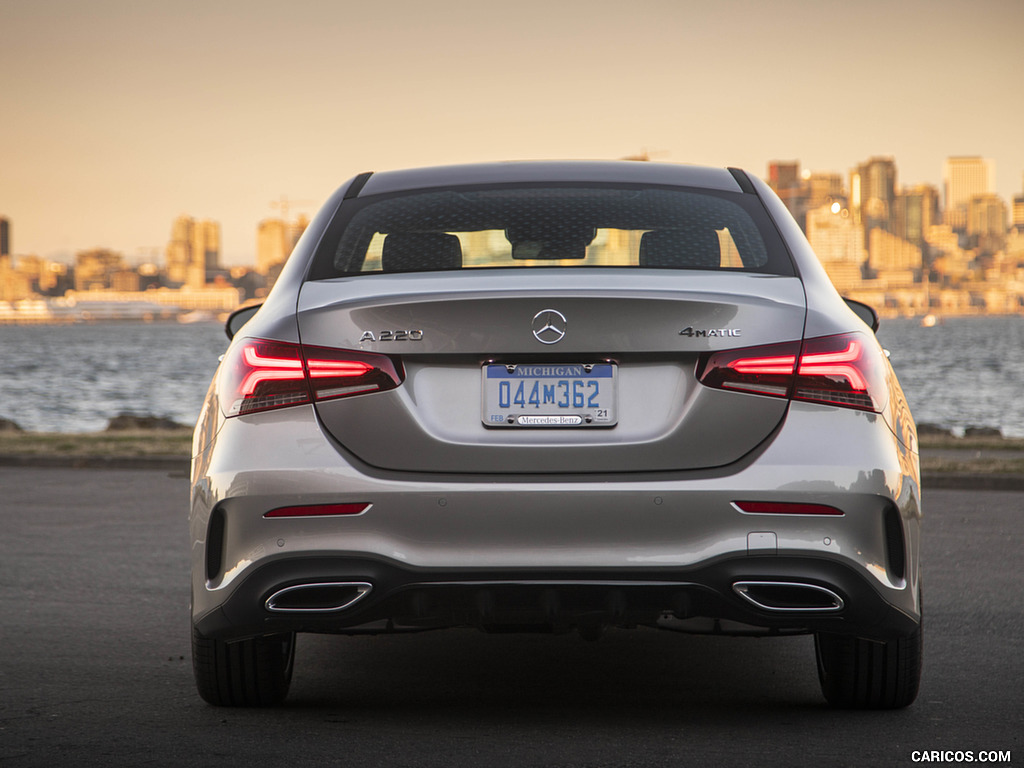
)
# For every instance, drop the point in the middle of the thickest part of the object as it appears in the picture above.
(386, 182)
(650, 502)
(667, 421)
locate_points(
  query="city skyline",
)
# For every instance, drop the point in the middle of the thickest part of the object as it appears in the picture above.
(282, 222)
(895, 247)
(119, 116)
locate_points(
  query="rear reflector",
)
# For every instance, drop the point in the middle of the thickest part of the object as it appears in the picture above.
(261, 375)
(785, 508)
(319, 510)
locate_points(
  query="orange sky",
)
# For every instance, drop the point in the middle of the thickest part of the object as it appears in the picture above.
(118, 115)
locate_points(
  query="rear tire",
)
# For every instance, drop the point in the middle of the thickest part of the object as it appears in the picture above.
(244, 673)
(861, 674)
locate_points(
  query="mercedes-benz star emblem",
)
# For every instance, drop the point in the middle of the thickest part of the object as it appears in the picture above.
(549, 326)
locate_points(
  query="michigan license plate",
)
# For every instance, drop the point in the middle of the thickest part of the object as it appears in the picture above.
(559, 395)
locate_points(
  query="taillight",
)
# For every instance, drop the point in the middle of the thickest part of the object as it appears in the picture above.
(260, 375)
(762, 370)
(845, 370)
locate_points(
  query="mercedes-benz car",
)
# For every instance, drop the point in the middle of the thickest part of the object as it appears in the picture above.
(552, 397)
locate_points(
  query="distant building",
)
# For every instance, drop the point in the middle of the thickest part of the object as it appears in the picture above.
(193, 252)
(14, 283)
(275, 239)
(838, 242)
(1017, 213)
(1017, 219)
(271, 244)
(785, 180)
(986, 222)
(949, 261)
(915, 210)
(1015, 244)
(823, 189)
(95, 269)
(43, 275)
(890, 254)
(873, 193)
(966, 177)
(783, 175)
(124, 280)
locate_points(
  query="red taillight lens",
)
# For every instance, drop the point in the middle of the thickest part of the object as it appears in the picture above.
(260, 375)
(764, 370)
(841, 370)
(341, 372)
(845, 370)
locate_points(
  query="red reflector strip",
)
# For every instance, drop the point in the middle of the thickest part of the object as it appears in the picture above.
(319, 510)
(785, 508)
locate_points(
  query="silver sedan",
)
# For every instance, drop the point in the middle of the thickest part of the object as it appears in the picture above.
(550, 397)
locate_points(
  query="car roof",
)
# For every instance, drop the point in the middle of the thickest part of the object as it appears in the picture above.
(541, 172)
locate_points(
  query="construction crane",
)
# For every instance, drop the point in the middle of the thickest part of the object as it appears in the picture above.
(645, 155)
(286, 203)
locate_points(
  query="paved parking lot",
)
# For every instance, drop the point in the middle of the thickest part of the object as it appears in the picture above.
(95, 667)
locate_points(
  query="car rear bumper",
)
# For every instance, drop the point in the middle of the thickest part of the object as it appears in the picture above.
(556, 551)
(784, 595)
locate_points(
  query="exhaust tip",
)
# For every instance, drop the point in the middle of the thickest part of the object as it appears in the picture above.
(787, 596)
(323, 597)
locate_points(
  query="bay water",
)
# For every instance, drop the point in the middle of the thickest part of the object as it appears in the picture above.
(960, 373)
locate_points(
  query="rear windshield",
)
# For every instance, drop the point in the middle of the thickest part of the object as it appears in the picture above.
(548, 226)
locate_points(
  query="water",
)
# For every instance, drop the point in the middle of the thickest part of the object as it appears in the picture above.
(74, 378)
(964, 372)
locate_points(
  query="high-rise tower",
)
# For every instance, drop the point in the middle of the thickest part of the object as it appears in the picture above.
(966, 177)
(5, 237)
(193, 251)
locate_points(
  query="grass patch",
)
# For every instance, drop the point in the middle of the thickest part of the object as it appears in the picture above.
(158, 442)
(950, 443)
(985, 465)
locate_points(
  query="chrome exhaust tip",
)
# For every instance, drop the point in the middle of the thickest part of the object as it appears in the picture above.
(788, 596)
(322, 597)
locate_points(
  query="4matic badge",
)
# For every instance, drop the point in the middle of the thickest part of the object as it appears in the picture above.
(708, 333)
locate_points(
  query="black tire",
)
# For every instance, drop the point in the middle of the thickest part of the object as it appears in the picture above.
(861, 674)
(245, 673)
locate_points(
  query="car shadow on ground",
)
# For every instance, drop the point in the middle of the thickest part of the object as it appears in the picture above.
(627, 673)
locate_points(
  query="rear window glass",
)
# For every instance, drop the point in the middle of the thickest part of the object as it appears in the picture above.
(550, 227)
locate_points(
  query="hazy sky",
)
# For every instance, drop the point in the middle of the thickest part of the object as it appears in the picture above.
(118, 115)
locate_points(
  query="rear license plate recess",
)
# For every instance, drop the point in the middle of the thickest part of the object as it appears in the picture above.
(547, 395)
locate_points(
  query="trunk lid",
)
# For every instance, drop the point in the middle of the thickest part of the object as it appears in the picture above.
(651, 326)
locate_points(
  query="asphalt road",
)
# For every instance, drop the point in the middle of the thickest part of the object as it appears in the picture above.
(95, 666)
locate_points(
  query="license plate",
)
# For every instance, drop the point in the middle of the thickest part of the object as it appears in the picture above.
(559, 395)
